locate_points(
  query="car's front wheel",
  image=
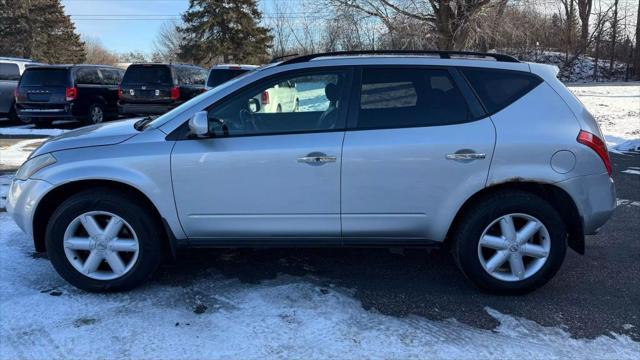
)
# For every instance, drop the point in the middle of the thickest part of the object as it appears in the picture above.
(512, 242)
(100, 240)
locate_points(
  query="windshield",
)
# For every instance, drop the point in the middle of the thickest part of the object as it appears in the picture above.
(147, 74)
(45, 77)
(220, 76)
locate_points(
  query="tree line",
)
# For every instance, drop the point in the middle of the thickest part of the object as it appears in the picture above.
(222, 31)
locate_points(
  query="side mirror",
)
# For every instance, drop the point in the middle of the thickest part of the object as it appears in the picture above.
(254, 105)
(199, 124)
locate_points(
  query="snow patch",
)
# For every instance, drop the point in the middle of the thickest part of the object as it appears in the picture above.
(16, 154)
(29, 130)
(289, 317)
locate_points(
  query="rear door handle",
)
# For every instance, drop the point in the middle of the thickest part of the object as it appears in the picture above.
(466, 156)
(317, 158)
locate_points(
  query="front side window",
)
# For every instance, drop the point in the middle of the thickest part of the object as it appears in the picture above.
(289, 104)
(9, 72)
(409, 97)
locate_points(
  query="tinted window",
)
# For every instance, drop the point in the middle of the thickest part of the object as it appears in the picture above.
(409, 97)
(147, 74)
(499, 88)
(9, 72)
(191, 75)
(293, 103)
(45, 77)
(88, 76)
(111, 77)
(220, 76)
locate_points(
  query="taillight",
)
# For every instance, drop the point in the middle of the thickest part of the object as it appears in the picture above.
(119, 92)
(596, 144)
(71, 93)
(175, 93)
(264, 98)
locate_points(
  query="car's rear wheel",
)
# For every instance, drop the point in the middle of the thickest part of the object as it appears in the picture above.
(96, 113)
(512, 242)
(100, 240)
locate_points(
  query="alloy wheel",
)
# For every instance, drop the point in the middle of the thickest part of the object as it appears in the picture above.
(514, 247)
(101, 245)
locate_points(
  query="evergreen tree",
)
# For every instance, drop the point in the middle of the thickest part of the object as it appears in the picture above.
(39, 29)
(224, 30)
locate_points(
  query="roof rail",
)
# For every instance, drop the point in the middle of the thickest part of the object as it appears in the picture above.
(444, 54)
(278, 58)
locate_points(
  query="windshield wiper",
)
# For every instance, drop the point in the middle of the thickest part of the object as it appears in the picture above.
(140, 124)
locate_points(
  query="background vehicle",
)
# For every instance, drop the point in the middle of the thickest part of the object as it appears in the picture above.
(280, 97)
(10, 71)
(222, 73)
(390, 150)
(157, 88)
(57, 92)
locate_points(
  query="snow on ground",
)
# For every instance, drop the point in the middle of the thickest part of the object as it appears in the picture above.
(289, 317)
(30, 130)
(616, 107)
(16, 154)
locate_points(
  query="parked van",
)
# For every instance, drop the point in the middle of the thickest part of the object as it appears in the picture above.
(10, 71)
(222, 73)
(157, 88)
(59, 92)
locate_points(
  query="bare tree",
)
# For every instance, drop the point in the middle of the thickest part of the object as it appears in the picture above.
(167, 43)
(614, 33)
(636, 53)
(584, 13)
(96, 53)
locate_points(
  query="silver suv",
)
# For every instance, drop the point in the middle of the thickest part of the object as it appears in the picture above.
(491, 157)
(10, 71)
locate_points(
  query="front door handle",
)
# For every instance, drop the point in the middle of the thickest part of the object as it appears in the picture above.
(317, 158)
(466, 156)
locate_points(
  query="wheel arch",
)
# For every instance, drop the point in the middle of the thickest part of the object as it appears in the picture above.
(50, 202)
(556, 196)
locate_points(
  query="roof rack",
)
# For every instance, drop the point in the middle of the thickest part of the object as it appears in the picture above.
(444, 54)
(278, 58)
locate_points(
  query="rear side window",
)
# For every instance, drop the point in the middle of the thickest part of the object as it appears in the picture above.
(221, 76)
(148, 75)
(111, 77)
(88, 76)
(408, 98)
(9, 71)
(497, 89)
(45, 77)
(191, 75)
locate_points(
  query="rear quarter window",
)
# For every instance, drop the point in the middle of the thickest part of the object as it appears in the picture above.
(45, 77)
(9, 72)
(88, 76)
(497, 89)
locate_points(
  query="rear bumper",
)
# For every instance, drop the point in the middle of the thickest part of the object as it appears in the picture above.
(46, 111)
(144, 109)
(595, 198)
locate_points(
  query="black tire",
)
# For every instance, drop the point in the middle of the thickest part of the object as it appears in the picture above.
(147, 228)
(469, 229)
(90, 113)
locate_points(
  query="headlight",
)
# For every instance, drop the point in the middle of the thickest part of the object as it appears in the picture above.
(33, 165)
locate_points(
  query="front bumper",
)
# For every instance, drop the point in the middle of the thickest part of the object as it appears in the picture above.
(595, 198)
(22, 200)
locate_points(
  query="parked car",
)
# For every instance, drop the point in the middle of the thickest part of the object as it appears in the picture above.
(480, 153)
(157, 88)
(281, 97)
(10, 71)
(222, 73)
(60, 92)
